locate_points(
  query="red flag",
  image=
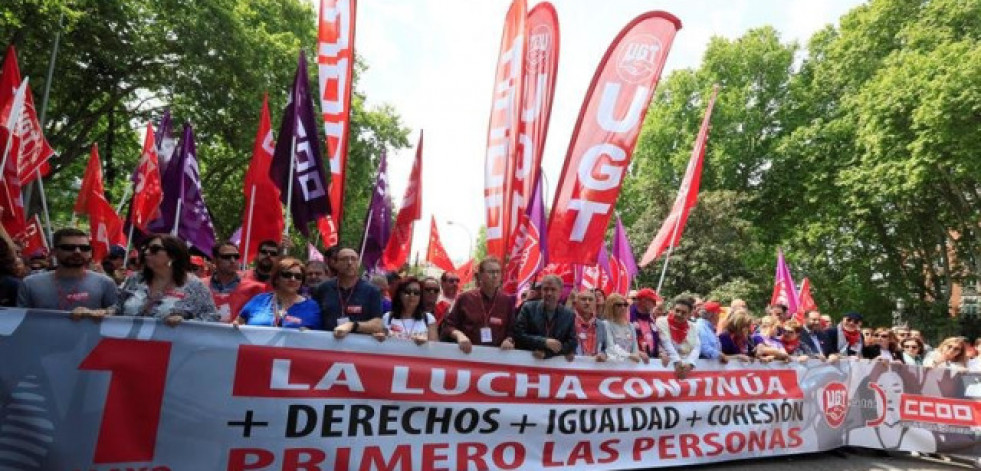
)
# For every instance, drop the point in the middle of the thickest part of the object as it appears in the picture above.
(465, 272)
(91, 182)
(436, 254)
(605, 135)
(538, 89)
(502, 132)
(105, 225)
(805, 300)
(148, 193)
(399, 244)
(687, 194)
(32, 238)
(335, 62)
(267, 221)
(11, 204)
(34, 150)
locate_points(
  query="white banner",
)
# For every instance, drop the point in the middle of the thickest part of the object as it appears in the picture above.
(134, 394)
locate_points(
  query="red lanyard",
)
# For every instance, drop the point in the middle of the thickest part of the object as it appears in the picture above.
(486, 314)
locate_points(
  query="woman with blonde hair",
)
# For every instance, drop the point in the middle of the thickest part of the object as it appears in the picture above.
(736, 337)
(952, 353)
(619, 336)
(769, 340)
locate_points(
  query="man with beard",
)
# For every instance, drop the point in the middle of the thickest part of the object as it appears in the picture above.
(449, 284)
(845, 339)
(810, 340)
(348, 303)
(430, 294)
(70, 285)
(545, 327)
(265, 260)
(229, 290)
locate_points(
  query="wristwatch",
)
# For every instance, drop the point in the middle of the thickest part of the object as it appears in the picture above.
(354, 328)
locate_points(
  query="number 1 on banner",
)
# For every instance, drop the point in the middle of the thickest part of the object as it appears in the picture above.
(128, 432)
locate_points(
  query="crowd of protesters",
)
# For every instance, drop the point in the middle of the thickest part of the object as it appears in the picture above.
(161, 279)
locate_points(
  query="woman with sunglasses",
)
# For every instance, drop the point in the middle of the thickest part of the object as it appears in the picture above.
(952, 353)
(618, 334)
(913, 351)
(284, 306)
(166, 289)
(407, 319)
(884, 346)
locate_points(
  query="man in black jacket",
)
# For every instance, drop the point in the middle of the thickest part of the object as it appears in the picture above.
(545, 327)
(845, 339)
(810, 335)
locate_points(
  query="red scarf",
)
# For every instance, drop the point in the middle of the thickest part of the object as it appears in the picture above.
(852, 337)
(586, 331)
(791, 345)
(679, 330)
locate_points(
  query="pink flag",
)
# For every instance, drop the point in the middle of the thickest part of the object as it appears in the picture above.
(314, 255)
(784, 289)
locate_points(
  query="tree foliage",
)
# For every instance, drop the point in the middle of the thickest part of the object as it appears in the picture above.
(122, 62)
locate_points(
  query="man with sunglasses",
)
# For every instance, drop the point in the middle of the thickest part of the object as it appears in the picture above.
(228, 288)
(70, 285)
(265, 259)
(449, 284)
(845, 339)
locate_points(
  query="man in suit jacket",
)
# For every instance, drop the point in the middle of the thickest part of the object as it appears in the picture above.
(810, 340)
(545, 327)
(845, 339)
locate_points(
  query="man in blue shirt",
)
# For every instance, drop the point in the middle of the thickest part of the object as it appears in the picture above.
(710, 347)
(348, 303)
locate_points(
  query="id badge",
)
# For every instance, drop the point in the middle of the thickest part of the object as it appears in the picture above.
(343, 320)
(485, 335)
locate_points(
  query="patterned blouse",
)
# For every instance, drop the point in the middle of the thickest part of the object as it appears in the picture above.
(191, 301)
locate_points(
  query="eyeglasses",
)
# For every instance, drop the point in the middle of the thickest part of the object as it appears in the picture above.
(154, 249)
(270, 252)
(229, 256)
(883, 336)
(291, 275)
(411, 292)
(432, 290)
(621, 305)
(74, 247)
(912, 346)
(453, 280)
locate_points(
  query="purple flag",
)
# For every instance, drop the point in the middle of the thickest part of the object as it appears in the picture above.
(378, 224)
(784, 289)
(299, 145)
(623, 267)
(236, 237)
(183, 182)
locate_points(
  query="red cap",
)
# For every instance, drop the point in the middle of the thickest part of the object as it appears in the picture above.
(648, 293)
(712, 307)
(197, 260)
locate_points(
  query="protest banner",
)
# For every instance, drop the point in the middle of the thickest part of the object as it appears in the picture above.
(131, 393)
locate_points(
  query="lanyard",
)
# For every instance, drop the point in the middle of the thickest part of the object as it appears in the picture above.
(344, 301)
(485, 313)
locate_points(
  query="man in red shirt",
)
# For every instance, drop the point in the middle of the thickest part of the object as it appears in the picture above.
(449, 286)
(482, 316)
(229, 289)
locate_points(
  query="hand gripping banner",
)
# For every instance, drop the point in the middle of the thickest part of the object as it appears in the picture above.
(604, 137)
(131, 393)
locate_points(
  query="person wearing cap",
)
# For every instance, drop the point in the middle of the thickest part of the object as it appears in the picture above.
(845, 339)
(643, 320)
(707, 325)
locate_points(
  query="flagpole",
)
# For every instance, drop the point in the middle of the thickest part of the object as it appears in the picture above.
(44, 203)
(126, 192)
(129, 244)
(364, 238)
(44, 111)
(674, 233)
(177, 218)
(248, 230)
(289, 185)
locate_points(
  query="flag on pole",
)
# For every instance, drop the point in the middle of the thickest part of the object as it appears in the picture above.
(166, 142)
(262, 217)
(105, 225)
(335, 66)
(378, 223)
(313, 254)
(400, 243)
(91, 182)
(527, 257)
(435, 253)
(623, 269)
(182, 182)
(147, 192)
(674, 225)
(34, 150)
(465, 272)
(784, 289)
(32, 240)
(502, 136)
(805, 299)
(11, 205)
(603, 140)
(299, 147)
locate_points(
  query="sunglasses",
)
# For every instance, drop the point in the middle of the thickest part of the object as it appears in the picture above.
(291, 275)
(155, 248)
(452, 280)
(621, 304)
(411, 292)
(74, 247)
(229, 256)
(431, 290)
(270, 252)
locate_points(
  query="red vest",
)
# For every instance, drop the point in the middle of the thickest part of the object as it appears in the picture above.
(229, 304)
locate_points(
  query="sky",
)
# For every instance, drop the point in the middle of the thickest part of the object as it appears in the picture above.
(434, 61)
